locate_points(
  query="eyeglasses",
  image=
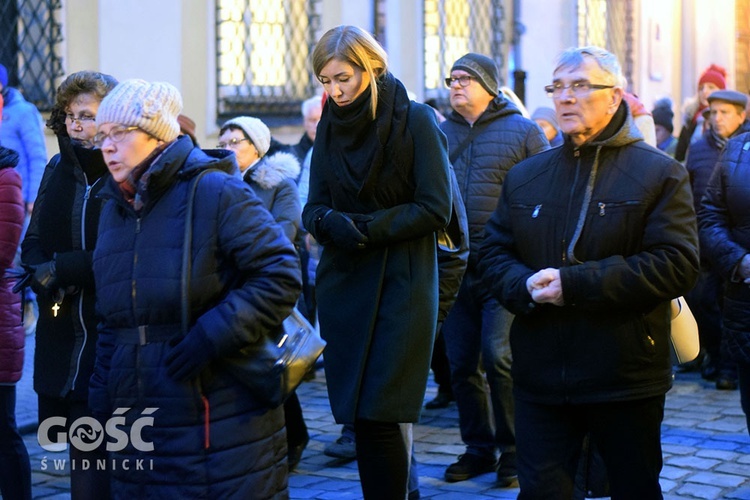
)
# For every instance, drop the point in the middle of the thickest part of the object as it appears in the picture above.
(580, 88)
(231, 143)
(82, 120)
(117, 134)
(463, 80)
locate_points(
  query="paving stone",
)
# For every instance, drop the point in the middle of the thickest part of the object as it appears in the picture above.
(700, 491)
(693, 462)
(705, 442)
(716, 479)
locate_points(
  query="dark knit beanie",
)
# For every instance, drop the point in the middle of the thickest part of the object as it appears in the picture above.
(482, 68)
(663, 114)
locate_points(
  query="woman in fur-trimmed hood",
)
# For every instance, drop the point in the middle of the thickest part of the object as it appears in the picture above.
(270, 176)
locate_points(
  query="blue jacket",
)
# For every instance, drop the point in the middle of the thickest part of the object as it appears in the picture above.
(22, 130)
(211, 437)
(724, 219)
(481, 168)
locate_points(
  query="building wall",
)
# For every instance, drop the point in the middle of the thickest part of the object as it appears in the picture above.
(174, 40)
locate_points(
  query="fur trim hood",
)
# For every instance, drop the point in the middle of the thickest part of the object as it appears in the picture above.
(269, 171)
(689, 108)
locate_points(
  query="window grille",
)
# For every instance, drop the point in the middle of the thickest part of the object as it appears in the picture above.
(29, 36)
(608, 24)
(263, 57)
(453, 28)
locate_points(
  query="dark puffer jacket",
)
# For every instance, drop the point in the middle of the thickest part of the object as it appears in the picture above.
(11, 222)
(704, 153)
(64, 225)
(725, 238)
(507, 139)
(211, 437)
(635, 248)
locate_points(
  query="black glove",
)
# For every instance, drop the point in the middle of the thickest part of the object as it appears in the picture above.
(189, 356)
(41, 277)
(341, 229)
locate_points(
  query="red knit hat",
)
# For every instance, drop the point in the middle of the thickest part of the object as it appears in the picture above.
(716, 75)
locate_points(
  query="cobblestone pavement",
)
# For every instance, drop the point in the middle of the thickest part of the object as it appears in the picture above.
(705, 441)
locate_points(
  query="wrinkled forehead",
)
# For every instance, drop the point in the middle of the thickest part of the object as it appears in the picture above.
(583, 67)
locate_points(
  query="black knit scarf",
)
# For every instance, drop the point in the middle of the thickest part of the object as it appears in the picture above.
(363, 153)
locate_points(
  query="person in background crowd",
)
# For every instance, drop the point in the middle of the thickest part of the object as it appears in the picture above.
(711, 80)
(22, 131)
(57, 251)
(664, 126)
(211, 437)
(379, 191)
(641, 117)
(311, 110)
(724, 219)
(547, 119)
(187, 127)
(588, 244)
(487, 136)
(15, 469)
(727, 119)
(271, 177)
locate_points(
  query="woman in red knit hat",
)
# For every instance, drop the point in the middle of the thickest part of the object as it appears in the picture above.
(712, 79)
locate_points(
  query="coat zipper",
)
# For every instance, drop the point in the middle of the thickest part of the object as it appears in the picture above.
(86, 197)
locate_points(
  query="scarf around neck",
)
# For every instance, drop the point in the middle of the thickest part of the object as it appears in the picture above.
(361, 151)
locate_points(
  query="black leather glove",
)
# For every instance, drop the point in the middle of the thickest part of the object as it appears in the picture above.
(43, 276)
(189, 356)
(342, 230)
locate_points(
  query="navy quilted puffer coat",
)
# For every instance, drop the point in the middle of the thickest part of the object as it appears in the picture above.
(724, 220)
(481, 168)
(211, 438)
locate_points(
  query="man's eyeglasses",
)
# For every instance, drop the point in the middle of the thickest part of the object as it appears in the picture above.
(580, 88)
(231, 143)
(82, 120)
(463, 80)
(117, 134)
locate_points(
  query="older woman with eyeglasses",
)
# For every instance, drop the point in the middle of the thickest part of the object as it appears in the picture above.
(56, 253)
(208, 436)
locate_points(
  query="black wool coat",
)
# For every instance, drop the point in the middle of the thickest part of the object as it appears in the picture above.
(64, 224)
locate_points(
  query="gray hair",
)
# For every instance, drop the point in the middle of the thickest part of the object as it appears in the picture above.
(607, 61)
(309, 104)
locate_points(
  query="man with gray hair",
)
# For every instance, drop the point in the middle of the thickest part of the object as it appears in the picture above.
(587, 246)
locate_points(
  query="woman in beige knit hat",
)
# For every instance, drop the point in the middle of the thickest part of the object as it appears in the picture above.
(197, 431)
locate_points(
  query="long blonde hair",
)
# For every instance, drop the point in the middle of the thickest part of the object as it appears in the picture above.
(357, 47)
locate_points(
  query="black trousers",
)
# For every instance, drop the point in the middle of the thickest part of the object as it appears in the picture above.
(382, 459)
(549, 439)
(441, 369)
(15, 469)
(88, 483)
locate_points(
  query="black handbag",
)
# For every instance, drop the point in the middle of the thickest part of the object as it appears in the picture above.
(271, 368)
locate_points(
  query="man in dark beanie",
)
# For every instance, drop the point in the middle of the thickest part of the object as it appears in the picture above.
(487, 135)
(664, 126)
